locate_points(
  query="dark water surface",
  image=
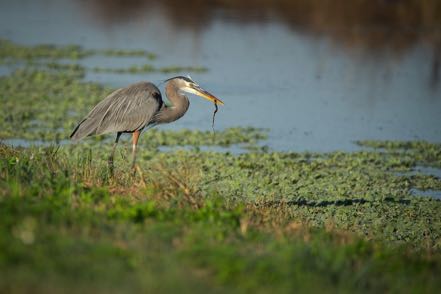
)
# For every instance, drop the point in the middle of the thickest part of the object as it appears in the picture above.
(310, 92)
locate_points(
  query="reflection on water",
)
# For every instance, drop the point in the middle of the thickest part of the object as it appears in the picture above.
(319, 75)
(375, 27)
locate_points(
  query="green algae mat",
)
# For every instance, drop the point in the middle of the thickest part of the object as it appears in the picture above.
(191, 220)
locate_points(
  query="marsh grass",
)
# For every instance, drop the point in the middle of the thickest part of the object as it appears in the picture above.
(169, 227)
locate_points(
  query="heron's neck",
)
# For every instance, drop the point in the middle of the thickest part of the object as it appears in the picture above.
(179, 105)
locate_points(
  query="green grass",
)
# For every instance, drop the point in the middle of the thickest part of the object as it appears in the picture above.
(195, 221)
(198, 221)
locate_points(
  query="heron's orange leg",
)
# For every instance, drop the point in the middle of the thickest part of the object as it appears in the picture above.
(135, 137)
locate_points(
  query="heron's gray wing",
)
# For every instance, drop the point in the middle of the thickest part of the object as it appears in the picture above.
(125, 110)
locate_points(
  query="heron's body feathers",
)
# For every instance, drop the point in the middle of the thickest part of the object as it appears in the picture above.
(125, 110)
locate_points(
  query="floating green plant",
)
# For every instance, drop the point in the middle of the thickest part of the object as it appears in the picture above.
(427, 153)
(10, 51)
(48, 56)
(147, 68)
(127, 53)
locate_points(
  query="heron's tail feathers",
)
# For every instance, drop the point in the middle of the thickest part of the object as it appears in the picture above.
(85, 128)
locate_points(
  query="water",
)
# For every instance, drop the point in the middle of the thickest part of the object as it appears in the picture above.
(312, 93)
(436, 194)
(429, 170)
(433, 171)
(426, 170)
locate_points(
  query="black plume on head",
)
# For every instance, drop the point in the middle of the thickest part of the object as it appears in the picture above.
(187, 79)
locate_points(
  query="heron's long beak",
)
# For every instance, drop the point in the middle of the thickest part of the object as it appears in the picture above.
(195, 89)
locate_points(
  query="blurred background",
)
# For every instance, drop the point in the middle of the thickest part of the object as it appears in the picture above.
(318, 74)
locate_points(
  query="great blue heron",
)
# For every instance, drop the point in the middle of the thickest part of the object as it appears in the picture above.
(132, 109)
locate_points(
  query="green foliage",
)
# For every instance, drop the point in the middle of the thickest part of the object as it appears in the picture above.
(12, 52)
(148, 68)
(227, 137)
(206, 220)
(130, 53)
(43, 57)
(425, 152)
(425, 182)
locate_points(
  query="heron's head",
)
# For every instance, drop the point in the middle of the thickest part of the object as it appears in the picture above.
(186, 84)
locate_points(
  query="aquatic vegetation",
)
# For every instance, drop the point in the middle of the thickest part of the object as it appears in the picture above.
(425, 182)
(426, 153)
(12, 52)
(227, 137)
(172, 69)
(48, 56)
(147, 68)
(131, 53)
